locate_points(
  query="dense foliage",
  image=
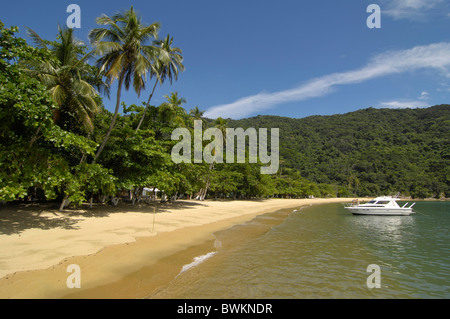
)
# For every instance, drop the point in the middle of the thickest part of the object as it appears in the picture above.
(369, 152)
(36, 154)
(59, 143)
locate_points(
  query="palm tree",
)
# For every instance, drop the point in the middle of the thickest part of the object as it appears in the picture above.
(172, 110)
(174, 101)
(167, 63)
(76, 98)
(222, 125)
(123, 52)
(64, 78)
(196, 114)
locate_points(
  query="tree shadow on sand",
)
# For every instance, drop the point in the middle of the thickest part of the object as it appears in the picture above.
(16, 218)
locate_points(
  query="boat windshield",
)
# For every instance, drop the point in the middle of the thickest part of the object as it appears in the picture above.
(371, 202)
(383, 202)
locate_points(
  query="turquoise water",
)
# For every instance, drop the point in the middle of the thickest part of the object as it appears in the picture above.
(323, 252)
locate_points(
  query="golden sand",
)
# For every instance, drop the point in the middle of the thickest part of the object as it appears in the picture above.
(123, 252)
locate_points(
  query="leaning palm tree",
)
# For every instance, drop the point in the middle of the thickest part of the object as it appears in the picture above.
(167, 63)
(64, 78)
(123, 52)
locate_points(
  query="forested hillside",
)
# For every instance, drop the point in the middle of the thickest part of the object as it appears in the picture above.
(59, 142)
(370, 151)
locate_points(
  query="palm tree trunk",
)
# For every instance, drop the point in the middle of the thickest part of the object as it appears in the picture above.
(208, 181)
(113, 121)
(146, 108)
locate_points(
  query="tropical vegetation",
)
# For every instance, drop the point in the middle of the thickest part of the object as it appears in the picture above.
(368, 152)
(59, 143)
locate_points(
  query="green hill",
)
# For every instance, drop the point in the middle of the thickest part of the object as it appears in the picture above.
(370, 151)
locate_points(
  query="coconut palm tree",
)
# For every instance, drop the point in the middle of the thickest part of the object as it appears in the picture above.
(172, 110)
(124, 54)
(170, 58)
(222, 125)
(74, 97)
(196, 114)
(174, 101)
(167, 63)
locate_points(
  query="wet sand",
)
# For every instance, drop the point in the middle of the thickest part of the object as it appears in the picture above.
(123, 252)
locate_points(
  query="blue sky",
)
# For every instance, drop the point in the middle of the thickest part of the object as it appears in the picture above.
(286, 57)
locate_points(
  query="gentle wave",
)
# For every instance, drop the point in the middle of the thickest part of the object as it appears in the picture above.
(197, 261)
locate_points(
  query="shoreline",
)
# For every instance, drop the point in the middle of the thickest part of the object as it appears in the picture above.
(121, 254)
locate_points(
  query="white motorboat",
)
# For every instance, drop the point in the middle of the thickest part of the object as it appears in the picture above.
(380, 206)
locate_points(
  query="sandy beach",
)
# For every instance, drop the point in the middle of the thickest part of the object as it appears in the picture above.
(123, 252)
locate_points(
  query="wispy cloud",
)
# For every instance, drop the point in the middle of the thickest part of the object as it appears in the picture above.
(434, 56)
(424, 95)
(410, 9)
(404, 104)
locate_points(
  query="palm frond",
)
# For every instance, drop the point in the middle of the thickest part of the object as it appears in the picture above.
(115, 67)
(37, 40)
(97, 35)
(104, 47)
(149, 32)
(58, 94)
(105, 20)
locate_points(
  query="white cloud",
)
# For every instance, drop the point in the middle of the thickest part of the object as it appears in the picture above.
(404, 104)
(434, 56)
(424, 95)
(409, 9)
(415, 4)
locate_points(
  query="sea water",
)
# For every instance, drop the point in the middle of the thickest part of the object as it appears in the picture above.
(324, 251)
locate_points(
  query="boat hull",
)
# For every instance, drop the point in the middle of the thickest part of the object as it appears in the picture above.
(381, 211)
